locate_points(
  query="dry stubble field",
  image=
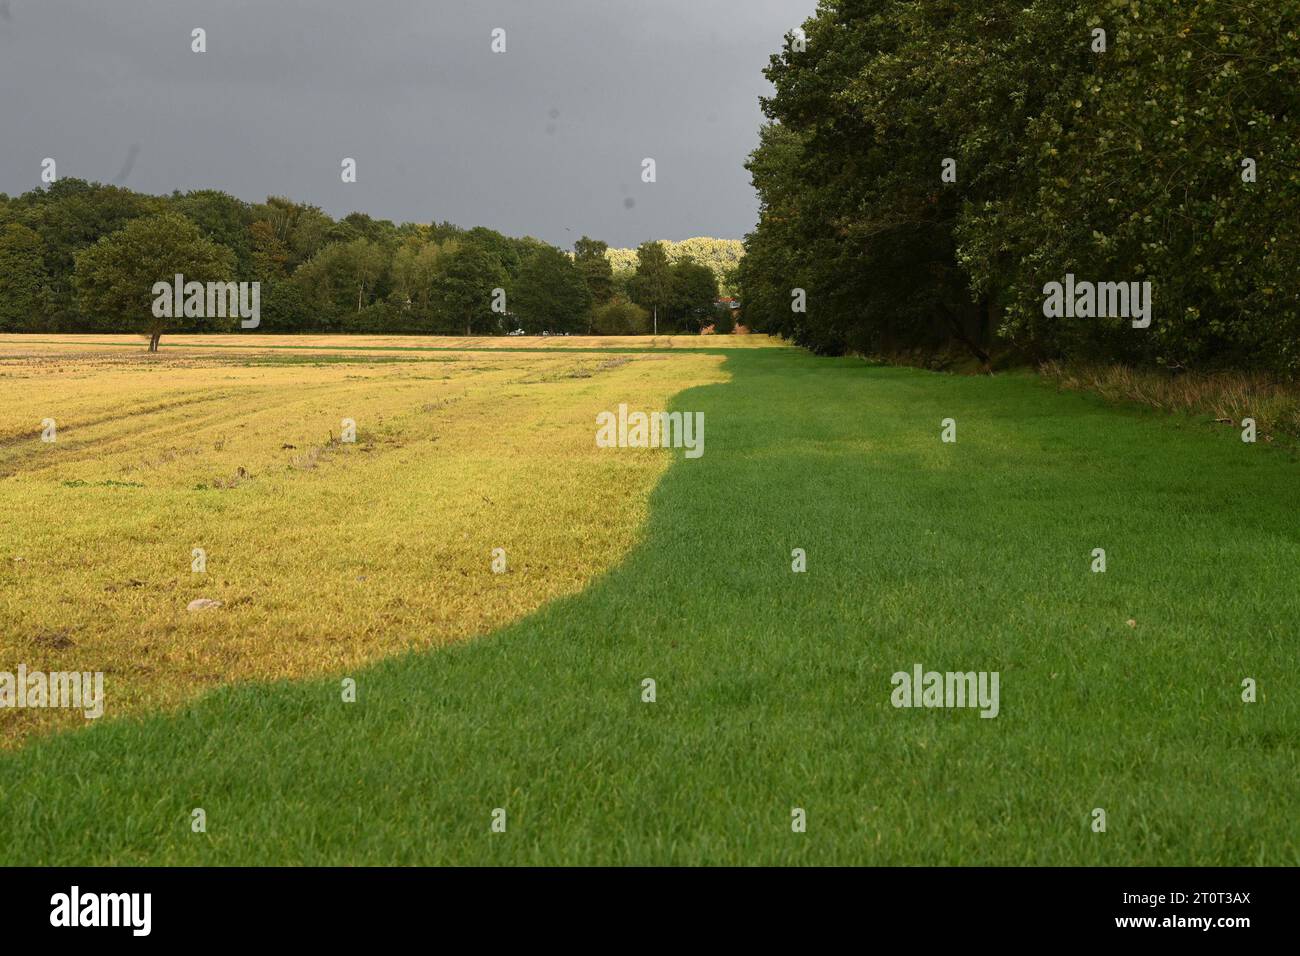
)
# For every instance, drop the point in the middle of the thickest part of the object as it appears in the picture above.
(323, 554)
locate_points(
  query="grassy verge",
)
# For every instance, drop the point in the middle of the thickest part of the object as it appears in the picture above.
(1119, 690)
(1226, 397)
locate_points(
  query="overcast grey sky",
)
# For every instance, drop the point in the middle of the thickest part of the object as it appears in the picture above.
(546, 139)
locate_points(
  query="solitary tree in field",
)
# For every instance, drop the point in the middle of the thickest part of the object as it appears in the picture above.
(115, 276)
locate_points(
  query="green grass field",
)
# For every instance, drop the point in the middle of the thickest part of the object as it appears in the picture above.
(773, 688)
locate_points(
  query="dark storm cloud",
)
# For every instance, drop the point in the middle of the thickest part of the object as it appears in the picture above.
(546, 139)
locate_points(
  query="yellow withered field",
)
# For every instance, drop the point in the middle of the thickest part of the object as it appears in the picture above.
(116, 465)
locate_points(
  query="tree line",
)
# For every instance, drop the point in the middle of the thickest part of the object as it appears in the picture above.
(927, 170)
(78, 256)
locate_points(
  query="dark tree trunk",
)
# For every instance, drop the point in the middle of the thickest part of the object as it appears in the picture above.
(959, 333)
(153, 341)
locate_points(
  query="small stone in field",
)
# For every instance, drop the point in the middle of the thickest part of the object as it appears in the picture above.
(1131, 623)
(199, 604)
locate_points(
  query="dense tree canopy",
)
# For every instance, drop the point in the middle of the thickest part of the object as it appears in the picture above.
(468, 278)
(694, 291)
(22, 278)
(316, 273)
(589, 255)
(722, 256)
(550, 294)
(928, 168)
(651, 286)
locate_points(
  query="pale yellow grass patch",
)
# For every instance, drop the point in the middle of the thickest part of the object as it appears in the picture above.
(257, 341)
(324, 555)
